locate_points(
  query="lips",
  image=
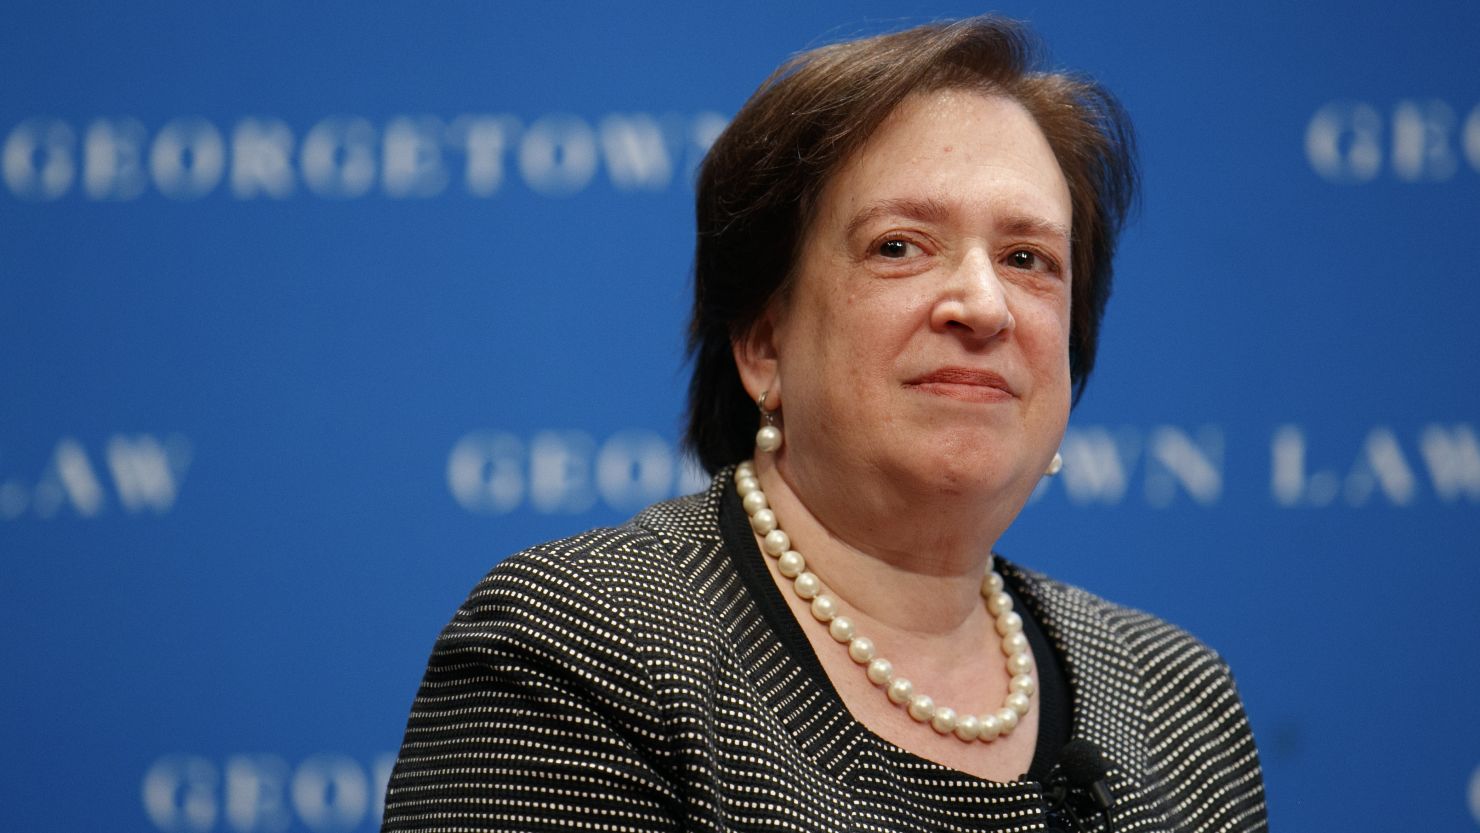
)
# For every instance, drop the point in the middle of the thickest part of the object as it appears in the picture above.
(965, 383)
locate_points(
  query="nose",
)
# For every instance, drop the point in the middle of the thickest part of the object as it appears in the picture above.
(973, 300)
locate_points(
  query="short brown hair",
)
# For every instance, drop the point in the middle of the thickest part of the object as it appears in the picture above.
(759, 184)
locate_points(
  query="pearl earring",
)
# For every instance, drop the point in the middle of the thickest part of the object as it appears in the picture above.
(1055, 465)
(767, 439)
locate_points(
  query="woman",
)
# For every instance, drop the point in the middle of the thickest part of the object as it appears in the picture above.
(903, 254)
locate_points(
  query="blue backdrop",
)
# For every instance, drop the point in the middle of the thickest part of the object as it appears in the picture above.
(303, 308)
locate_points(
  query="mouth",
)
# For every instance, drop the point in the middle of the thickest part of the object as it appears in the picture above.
(964, 383)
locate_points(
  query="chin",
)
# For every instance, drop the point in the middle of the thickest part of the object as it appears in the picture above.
(973, 474)
(980, 462)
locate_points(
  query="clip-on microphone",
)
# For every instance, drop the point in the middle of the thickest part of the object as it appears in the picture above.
(1081, 771)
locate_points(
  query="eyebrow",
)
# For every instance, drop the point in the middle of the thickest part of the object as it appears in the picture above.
(926, 210)
(932, 210)
(1034, 227)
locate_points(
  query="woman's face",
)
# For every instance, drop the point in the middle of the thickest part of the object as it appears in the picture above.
(926, 334)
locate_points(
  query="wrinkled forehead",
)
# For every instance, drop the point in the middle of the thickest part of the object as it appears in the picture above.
(950, 145)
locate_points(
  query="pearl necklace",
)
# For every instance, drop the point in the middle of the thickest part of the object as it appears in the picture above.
(880, 671)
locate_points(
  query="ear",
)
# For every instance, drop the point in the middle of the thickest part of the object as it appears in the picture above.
(758, 360)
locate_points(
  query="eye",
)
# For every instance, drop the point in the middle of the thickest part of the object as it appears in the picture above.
(897, 249)
(1031, 261)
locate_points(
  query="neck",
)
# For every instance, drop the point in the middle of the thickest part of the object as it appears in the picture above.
(893, 565)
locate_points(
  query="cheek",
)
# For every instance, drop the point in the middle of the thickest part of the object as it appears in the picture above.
(1043, 329)
(881, 326)
(857, 319)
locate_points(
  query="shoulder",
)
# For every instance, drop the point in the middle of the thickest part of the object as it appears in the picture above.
(1076, 615)
(617, 596)
(594, 574)
(1153, 693)
(1120, 651)
(550, 694)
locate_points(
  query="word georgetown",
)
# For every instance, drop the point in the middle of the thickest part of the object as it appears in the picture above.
(347, 157)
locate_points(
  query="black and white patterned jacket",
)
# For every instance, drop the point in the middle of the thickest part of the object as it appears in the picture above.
(643, 678)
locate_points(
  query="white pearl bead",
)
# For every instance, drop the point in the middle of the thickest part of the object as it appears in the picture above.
(1007, 623)
(841, 629)
(768, 438)
(997, 603)
(754, 502)
(992, 583)
(967, 727)
(807, 585)
(762, 520)
(988, 726)
(880, 672)
(1019, 663)
(1009, 719)
(922, 708)
(791, 564)
(944, 720)
(1023, 683)
(900, 690)
(1014, 643)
